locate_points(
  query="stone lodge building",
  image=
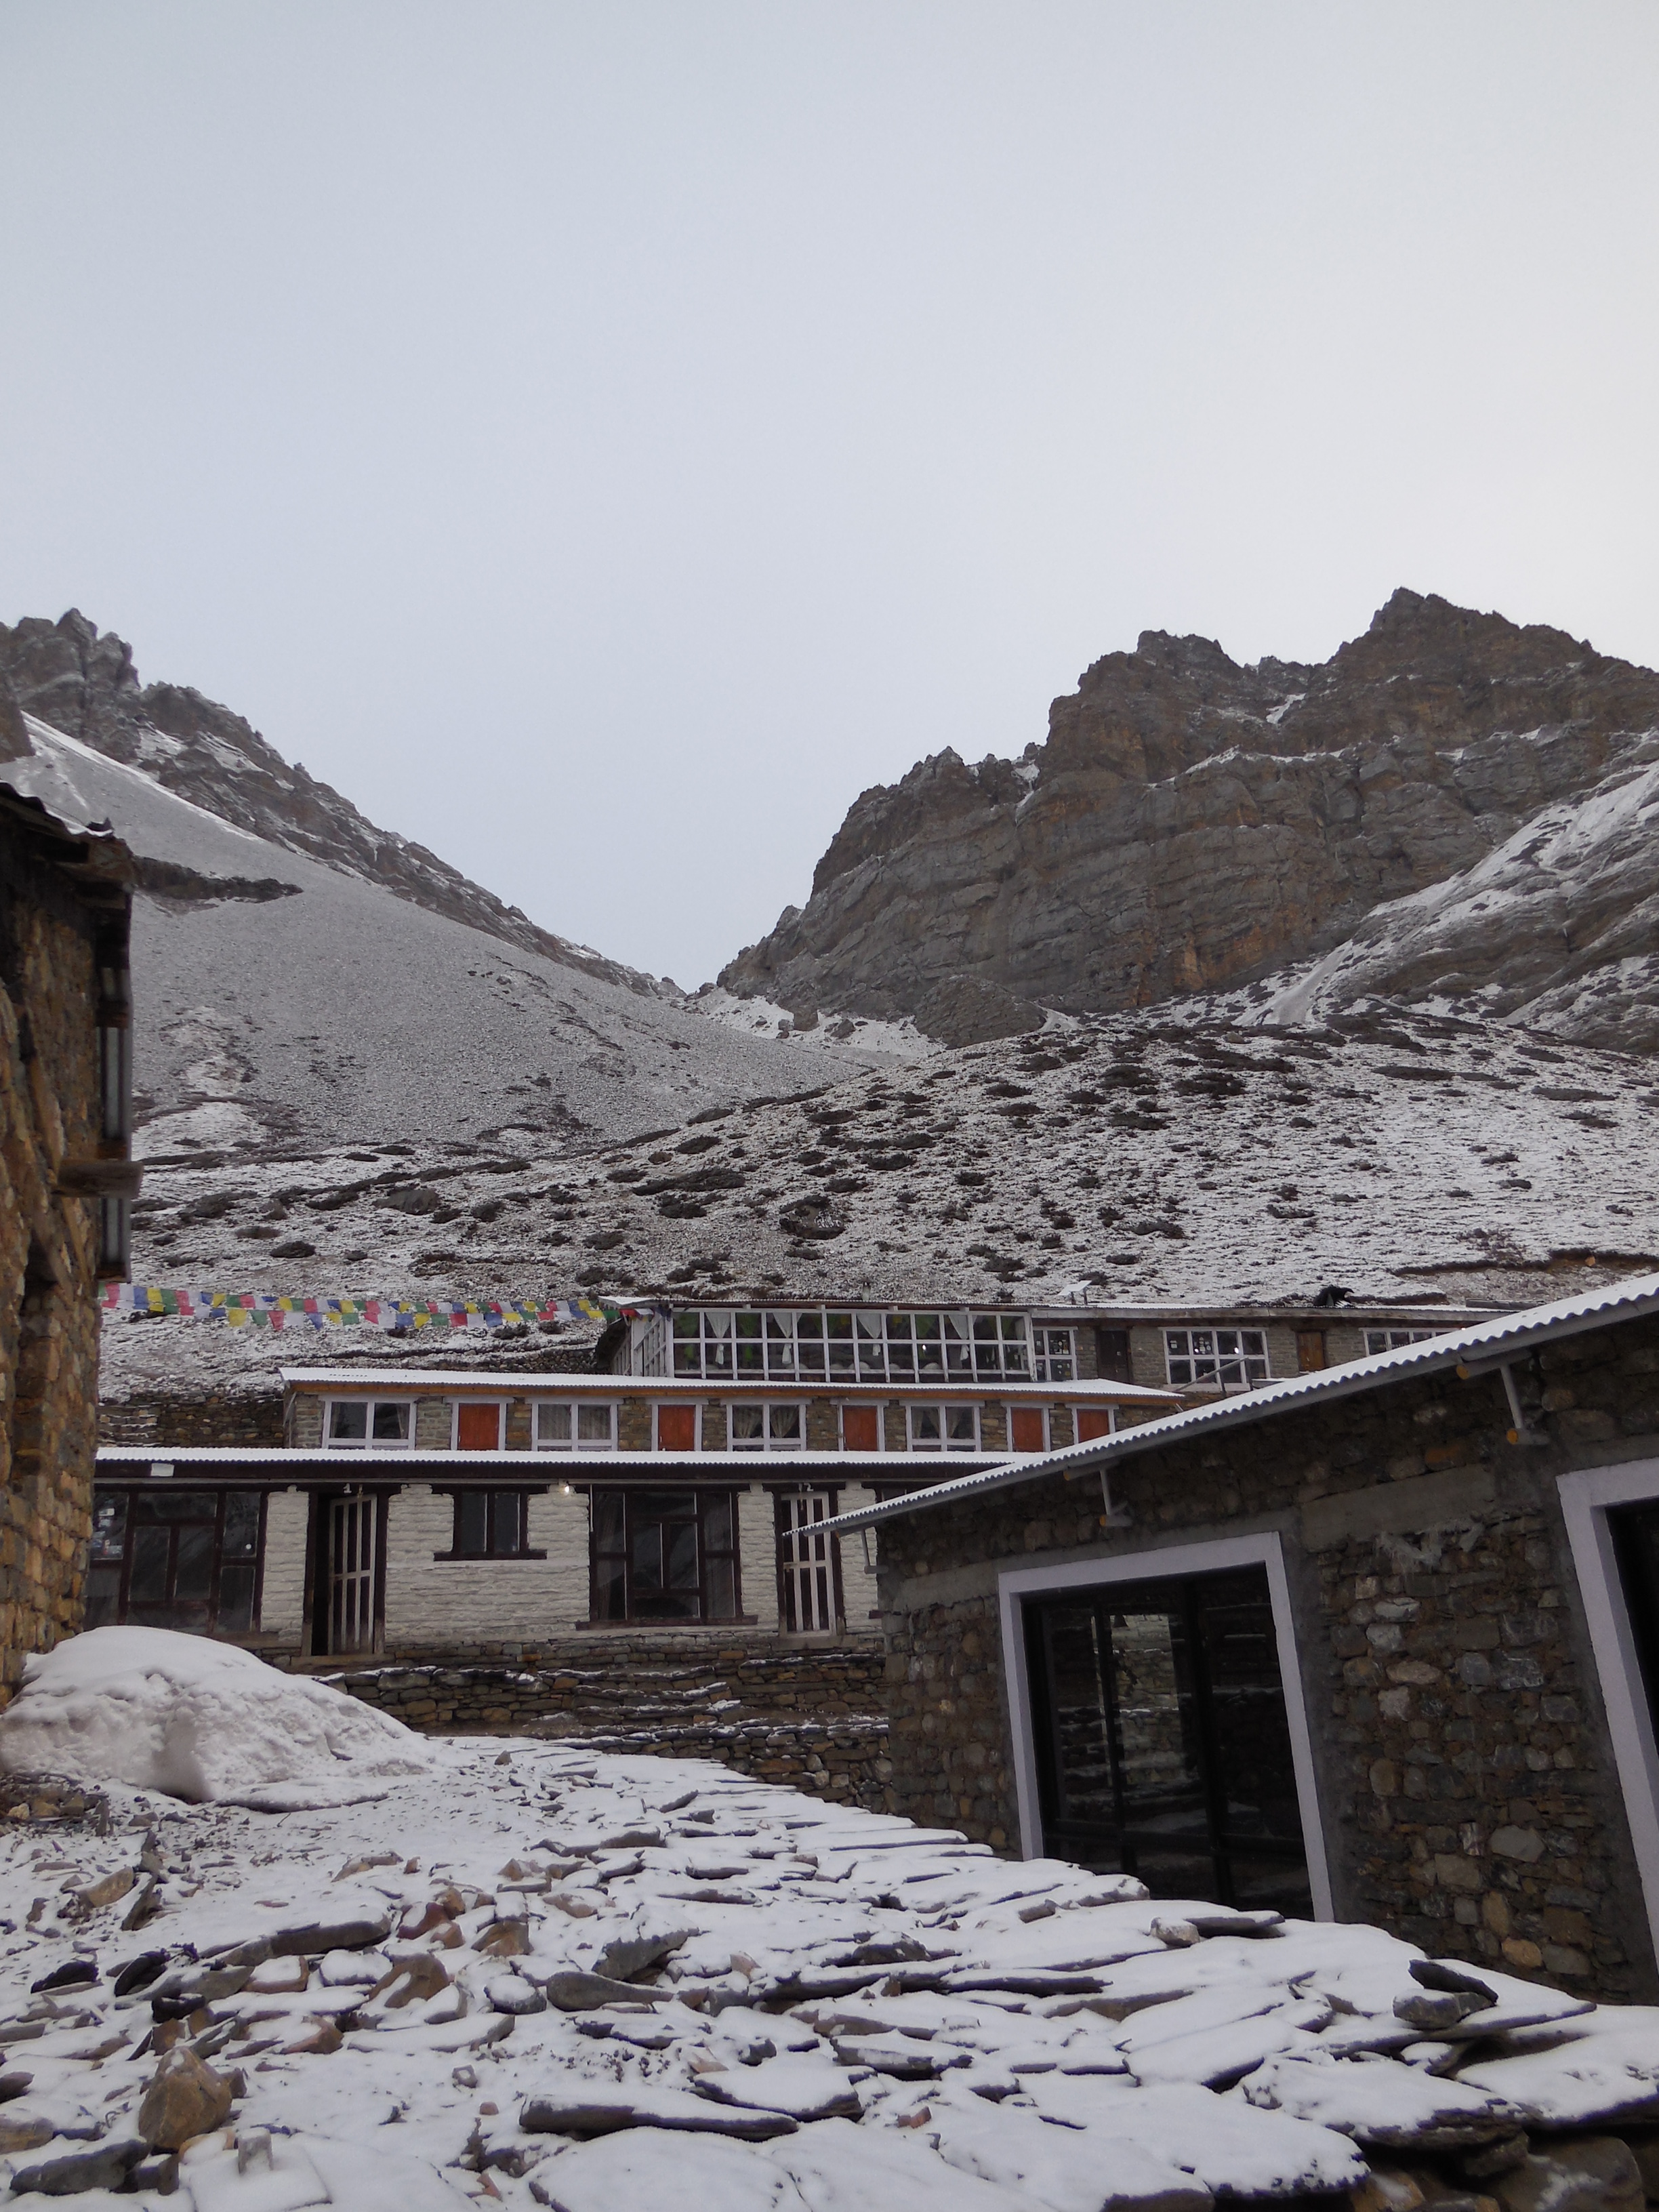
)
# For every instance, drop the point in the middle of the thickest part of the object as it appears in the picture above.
(65, 1185)
(1380, 1641)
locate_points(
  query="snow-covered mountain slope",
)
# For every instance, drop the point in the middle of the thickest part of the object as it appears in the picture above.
(1417, 1158)
(285, 1006)
(1453, 810)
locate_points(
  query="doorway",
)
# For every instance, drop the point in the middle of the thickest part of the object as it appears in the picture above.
(1162, 1745)
(806, 1562)
(348, 1595)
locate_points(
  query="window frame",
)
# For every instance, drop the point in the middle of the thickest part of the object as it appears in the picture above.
(1395, 1339)
(702, 1497)
(1217, 1357)
(942, 1407)
(577, 1406)
(522, 1492)
(212, 1603)
(661, 1405)
(873, 1405)
(879, 1345)
(1045, 1361)
(479, 1399)
(369, 1442)
(767, 1442)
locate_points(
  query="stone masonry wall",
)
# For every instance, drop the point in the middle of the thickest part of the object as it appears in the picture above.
(49, 1110)
(214, 1416)
(1461, 1745)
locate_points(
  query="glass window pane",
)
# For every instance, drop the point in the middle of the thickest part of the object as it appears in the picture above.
(748, 1427)
(722, 1590)
(348, 1422)
(680, 1555)
(809, 1324)
(109, 1525)
(749, 1326)
(838, 1327)
(103, 1594)
(610, 1521)
(241, 1525)
(235, 1601)
(505, 1520)
(686, 1324)
(924, 1425)
(193, 1571)
(167, 1503)
(610, 1589)
(391, 1423)
(553, 1424)
(594, 1424)
(960, 1427)
(785, 1424)
(717, 1520)
(472, 1522)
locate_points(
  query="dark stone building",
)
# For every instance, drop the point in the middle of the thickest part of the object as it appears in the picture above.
(65, 1184)
(1381, 1642)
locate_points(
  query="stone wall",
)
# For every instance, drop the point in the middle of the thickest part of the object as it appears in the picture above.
(1460, 1742)
(810, 1715)
(214, 1416)
(51, 1111)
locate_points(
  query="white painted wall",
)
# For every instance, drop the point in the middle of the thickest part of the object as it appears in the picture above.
(757, 1555)
(432, 1602)
(858, 1583)
(282, 1594)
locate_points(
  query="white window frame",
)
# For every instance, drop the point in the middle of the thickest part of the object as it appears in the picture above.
(1217, 1358)
(369, 1443)
(1046, 1412)
(1016, 1584)
(1378, 1340)
(766, 1442)
(1043, 1352)
(575, 1445)
(941, 1407)
(481, 1399)
(975, 1346)
(1588, 1497)
(1091, 1405)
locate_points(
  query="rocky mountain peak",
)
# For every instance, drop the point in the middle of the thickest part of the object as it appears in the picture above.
(1192, 825)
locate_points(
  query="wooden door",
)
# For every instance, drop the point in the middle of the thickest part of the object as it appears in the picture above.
(1310, 1350)
(860, 1428)
(1027, 1430)
(677, 1428)
(478, 1428)
(806, 1563)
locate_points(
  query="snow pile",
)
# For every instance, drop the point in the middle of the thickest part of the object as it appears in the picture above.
(538, 1977)
(201, 1721)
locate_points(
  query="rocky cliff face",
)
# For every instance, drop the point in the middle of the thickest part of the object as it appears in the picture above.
(81, 681)
(1452, 810)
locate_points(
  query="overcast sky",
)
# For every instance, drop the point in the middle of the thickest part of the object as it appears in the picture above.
(602, 439)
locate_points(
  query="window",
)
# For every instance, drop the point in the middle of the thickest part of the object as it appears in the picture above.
(185, 1559)
(1094, 1421)
(490, 1524)
(1056, 1355)
(1231, 1359)
(478, 1428)
(677, 1428)
(944, 1428)
(364, 1424)
(1390, 1340)
(806, 1562)
(665, 1555)
(1028, 1429)
(860, 1428)
(579, 1427)
(816, 1343)
(768, 1428)
(1163, 1742)
(1113, 1360)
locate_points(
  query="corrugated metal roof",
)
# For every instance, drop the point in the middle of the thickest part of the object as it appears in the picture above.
(714, 1468)
(1512, 1334)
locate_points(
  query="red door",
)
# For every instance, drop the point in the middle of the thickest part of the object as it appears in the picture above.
(859, 1429)
(478, 1428)
(677, 1428)
(1092, 1421)
(1025, 1424)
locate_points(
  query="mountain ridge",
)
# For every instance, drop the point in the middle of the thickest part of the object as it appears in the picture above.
(1191, 824)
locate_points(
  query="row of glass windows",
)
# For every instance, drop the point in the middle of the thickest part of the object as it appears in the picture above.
(1236, 1358)
(584, 1426)
(872, 1347)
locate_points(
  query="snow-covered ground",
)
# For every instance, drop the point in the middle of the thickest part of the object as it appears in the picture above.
(526, 1974)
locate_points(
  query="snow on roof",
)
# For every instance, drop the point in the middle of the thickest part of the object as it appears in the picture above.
(1505, 1339)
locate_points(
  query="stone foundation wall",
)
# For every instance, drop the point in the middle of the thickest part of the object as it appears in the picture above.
(1463, 1755)
(50, 1112)
(809, 1716)
(214, 1416)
